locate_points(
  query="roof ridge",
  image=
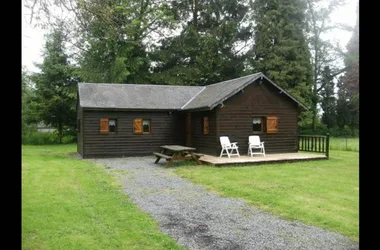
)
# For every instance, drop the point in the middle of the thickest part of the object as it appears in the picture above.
(233, 79)
(137, 84)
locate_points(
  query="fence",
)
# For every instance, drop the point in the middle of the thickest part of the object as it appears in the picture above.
(314, 143)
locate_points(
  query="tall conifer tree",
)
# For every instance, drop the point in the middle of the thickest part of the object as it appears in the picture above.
(280, 49)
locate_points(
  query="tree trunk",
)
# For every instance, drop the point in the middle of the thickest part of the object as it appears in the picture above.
(314, 121)
(60, 133)
(195, 14)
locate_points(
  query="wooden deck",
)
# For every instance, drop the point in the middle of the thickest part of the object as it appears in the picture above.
(259, 159)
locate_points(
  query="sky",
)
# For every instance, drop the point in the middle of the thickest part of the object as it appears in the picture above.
(33, 38)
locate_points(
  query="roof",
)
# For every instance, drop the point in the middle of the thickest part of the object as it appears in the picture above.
(135, 96)
(166, 97)
(216, 93)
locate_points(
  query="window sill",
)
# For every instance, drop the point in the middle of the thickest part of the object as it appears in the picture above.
(256, 132)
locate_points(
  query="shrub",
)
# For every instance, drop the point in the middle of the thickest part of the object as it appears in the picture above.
(39, 138)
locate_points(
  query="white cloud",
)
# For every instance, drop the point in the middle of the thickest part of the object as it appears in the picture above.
(32, 42)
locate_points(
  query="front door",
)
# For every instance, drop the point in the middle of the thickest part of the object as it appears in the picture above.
(188, 129)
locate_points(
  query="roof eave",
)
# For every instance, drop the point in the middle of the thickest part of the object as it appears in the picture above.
(126, 109)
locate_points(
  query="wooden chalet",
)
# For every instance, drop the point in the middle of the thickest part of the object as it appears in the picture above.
(136, 119)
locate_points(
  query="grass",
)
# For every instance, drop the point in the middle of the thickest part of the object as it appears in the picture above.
(322, 193)
(68, 203)
(347, 144)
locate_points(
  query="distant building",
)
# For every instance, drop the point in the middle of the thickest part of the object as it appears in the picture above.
(41, 127)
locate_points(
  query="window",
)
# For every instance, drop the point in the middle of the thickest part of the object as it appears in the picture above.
(112, 125)
(146, 126)
(141, 126)
(205, 125)
(257, 125)
(267, 124)
(107, 126)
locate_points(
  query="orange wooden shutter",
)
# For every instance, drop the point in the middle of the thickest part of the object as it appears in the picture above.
(104, 126)
(137, 126)
(271, 125)
(205, 126)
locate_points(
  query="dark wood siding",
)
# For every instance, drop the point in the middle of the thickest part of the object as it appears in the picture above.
(164, 130)
(234, 119)
(204, 143)
(80, 129)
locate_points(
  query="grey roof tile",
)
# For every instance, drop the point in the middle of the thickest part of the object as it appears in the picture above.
(165, 97)
(215, 93)
(135, 96)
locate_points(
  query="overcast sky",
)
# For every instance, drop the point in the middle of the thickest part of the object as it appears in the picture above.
(33, 38)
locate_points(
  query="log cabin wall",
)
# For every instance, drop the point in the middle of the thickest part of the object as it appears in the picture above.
(203, 139)
(234, 118)
(166, 128)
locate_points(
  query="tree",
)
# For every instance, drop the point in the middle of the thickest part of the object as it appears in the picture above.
(328, 103)
(280, 49)
(351, 80)
(54, 102)
(322, 51)
(27, 93)
(210, 46)
(110, 38)
(116, 36)
(347, 107)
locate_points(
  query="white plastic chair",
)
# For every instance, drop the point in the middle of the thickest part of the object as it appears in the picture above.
(228, 147)
(255, 143)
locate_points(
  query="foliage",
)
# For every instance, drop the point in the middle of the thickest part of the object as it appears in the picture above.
(323, 54)
(69, 203)
(320, 193)
(27, 93)
(328, 103)
(347, 109)
(280, 50)
(54, 102)
(205, 50)
(45, 138)
(321, 129)
(115, 37)
(351, 80)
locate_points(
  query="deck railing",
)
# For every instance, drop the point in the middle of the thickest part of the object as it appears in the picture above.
(314, 143)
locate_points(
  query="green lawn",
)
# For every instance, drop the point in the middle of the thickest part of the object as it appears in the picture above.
(348, 144)
(322, 193)
(69, 203)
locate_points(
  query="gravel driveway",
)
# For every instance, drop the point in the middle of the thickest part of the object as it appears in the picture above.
(199, 219)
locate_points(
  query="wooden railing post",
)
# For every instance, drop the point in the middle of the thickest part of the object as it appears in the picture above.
(327, 145)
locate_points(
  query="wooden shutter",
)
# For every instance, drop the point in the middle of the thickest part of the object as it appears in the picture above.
(205, 125)
(138, 126)
(104, 126)
(272, 125)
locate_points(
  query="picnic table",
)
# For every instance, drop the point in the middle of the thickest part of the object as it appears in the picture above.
(176, 152)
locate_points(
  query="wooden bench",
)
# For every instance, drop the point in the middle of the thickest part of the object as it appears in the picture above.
(176, 152)
(160, 155)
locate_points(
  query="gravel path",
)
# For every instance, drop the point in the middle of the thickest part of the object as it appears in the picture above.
(199, 219)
